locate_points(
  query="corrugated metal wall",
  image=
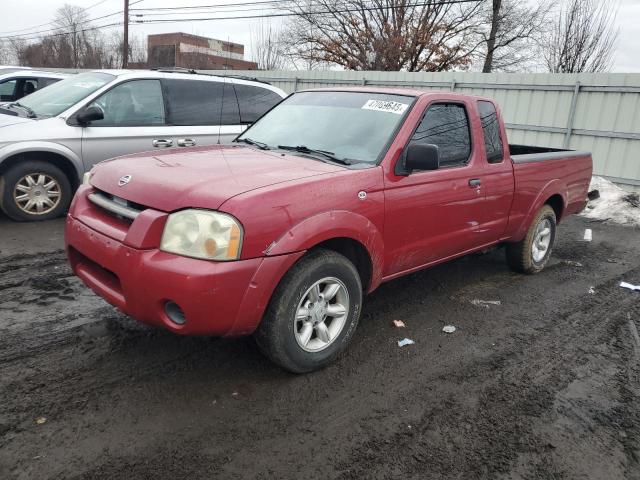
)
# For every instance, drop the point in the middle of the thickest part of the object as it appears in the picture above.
(595, 112)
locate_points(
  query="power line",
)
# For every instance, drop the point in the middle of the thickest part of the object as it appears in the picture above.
(62, 34)
(49, 23)
(84, 22)
(32, 35)
(302, 13)
(189, 7)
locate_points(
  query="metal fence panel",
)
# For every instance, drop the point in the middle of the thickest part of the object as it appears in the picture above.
(596, 112)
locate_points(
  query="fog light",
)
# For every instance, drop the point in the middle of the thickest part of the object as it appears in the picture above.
(175, 313)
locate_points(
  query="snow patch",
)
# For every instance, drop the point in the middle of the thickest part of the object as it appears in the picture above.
(614, 204)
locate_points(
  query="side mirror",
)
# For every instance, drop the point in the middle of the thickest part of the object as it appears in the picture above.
(421, 157)
(89, 115)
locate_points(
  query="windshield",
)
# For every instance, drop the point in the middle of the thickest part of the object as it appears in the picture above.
(351, 126)
(56, 98)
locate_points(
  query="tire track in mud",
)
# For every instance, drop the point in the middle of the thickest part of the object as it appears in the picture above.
(495, 430)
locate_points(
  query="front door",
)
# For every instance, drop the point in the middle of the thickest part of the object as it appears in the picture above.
(432, 215)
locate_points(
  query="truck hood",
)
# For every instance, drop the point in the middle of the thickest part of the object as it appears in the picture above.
(201, 177)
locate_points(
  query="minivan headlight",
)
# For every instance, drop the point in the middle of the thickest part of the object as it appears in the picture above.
(202, 234)
(86, 178)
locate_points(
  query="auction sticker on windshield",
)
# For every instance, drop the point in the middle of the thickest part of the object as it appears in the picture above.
(385, 106)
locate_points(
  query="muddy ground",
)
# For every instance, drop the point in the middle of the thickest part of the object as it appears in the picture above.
(544, 386)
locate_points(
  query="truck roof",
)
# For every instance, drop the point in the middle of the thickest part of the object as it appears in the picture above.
(413, 92)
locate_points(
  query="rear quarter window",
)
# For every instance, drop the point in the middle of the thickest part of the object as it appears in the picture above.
(255, 101)
(491, 131)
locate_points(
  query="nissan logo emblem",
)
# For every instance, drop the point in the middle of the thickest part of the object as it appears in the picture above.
(124, 180)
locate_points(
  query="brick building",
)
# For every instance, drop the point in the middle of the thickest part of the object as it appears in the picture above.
(192, 51)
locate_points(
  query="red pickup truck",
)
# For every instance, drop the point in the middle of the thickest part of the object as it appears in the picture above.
(325, 197)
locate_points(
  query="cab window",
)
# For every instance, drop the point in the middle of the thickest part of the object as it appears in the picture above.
(446, 125)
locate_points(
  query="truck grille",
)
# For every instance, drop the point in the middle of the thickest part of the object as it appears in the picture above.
(116, 206)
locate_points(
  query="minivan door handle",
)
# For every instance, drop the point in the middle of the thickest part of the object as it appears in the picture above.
(162, 143)
(475, 182)
(186, 142)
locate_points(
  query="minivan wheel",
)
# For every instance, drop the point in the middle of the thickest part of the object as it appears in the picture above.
(35, 190)
(532, 253)
(313, 313)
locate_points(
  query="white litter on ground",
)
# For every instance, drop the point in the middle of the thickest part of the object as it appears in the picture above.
(399, 323)
(405, 341)
(448, 329)
(592, 290)
(588, 235)
(572, 263)
(614, 204)
(485, 303)
(630, 286)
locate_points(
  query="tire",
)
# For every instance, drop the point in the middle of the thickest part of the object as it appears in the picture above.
(528, 256)
(281, 335)
(48, 184)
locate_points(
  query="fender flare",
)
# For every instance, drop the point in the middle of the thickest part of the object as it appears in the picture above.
(329, 225)
(554, 187)
(51, 147)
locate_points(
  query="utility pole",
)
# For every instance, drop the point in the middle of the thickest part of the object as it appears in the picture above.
(125, 40)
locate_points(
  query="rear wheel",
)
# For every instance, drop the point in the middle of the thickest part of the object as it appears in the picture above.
(313, 313)
(35, 190)
(532, 253)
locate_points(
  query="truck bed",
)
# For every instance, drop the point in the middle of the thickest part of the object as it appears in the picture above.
(530, 153)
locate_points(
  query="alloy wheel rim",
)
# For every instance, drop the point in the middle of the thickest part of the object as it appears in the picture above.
(37, 194)
(541, 240)
(321, 314)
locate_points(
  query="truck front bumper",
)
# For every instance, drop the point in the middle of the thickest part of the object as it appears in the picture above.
(215, 298)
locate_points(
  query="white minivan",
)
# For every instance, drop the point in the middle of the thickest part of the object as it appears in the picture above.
(51, 137)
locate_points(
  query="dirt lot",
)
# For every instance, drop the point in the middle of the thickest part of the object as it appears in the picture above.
(544, 386)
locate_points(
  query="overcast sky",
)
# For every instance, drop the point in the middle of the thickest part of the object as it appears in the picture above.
(21, 14)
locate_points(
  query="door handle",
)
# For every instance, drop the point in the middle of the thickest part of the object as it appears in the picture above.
(162, 143)
(475, 183)
(186, 142)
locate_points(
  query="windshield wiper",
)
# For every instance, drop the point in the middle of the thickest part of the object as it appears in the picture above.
(304, 149)
(260, 145)
(30, 112)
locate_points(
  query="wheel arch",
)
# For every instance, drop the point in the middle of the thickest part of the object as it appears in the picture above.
(355, 251)
(554, 194)
(59, 156)
(556, 202)
(347, 233)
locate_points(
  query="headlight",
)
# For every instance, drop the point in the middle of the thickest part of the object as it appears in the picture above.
(202, 234)
(86, 178)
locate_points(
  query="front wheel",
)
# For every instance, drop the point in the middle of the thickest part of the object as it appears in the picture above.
(532, 253)
(313, 313)
(35, 190)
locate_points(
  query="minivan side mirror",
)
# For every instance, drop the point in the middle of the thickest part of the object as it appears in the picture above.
(420, 156)
(89, 115)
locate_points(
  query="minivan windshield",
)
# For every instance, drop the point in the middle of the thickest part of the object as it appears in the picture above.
(351, 127)
(56, 98)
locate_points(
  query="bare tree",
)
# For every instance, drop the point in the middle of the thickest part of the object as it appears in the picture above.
(71, 22)
(512, 31)
(137, 50)
(267, 47)
(386, 34)
(584, 38)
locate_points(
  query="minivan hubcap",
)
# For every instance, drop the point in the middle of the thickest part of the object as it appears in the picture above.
(541, 240)
(322, 314)
(37, 193)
